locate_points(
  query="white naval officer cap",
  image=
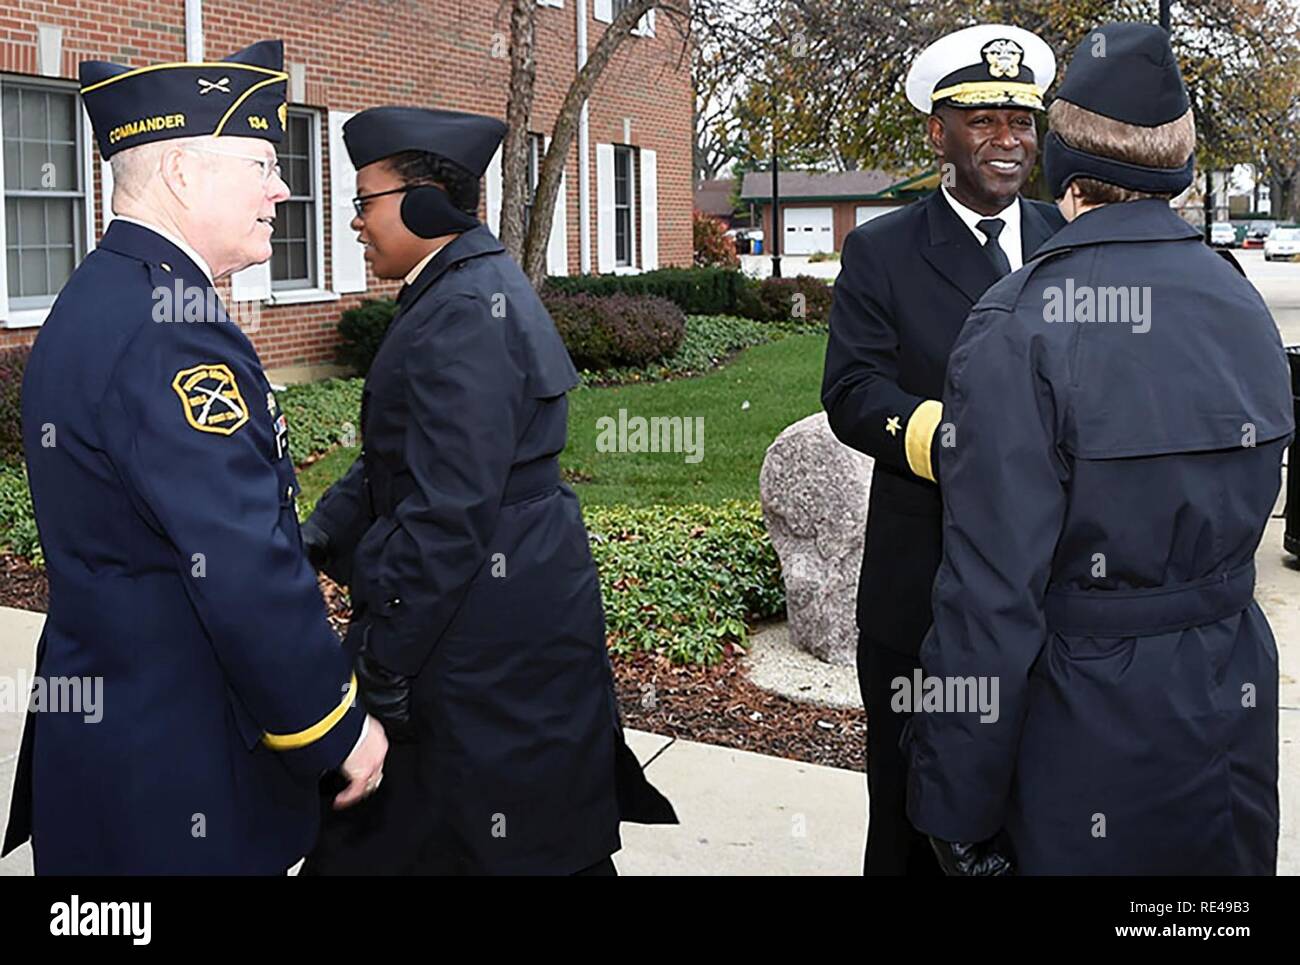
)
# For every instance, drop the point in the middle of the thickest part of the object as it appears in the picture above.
(989, 65)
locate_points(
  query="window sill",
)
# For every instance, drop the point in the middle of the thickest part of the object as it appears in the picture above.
(27, 318)
(302, 296)
(627, 270)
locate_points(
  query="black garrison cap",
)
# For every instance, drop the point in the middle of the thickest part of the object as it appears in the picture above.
(1127, 72)
(241, 96)
(468, 140)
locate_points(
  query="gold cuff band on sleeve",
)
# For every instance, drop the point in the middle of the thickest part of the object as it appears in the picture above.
(289, 742)
(921, 425)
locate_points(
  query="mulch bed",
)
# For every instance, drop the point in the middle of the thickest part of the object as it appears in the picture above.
(715, 705)
(22, 585)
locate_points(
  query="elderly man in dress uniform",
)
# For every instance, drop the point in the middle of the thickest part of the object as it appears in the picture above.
(164, 495)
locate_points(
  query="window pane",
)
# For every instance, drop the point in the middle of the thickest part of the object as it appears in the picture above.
(31, 221)
(279, 261)
(64, 159)
(62, 117)
(34, 159)
(61, 264)
(11, 110)
(12, 162)
(298, 260)
(299, 176)
(622, 224)
(11, 222)
(34, 123)
(59, 213)
(32, 272)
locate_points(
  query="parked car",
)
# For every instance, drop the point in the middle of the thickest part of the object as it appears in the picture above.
(1257, 232)
(1283, 243)
(1223, 235)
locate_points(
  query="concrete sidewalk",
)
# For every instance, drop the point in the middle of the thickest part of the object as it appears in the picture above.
(749, 814)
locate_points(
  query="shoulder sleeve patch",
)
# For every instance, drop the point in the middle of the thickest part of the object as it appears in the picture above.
(210, 398)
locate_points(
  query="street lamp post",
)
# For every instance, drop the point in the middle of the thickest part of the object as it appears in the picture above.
(776, 203)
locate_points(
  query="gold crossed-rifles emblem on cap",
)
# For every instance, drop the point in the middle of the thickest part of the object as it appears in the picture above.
(210, 398)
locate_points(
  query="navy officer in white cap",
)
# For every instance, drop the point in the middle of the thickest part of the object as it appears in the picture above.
(908, 280)
(476, 613)
(1121, 408)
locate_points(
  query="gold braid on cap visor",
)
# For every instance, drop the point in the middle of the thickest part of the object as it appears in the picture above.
(990, 92)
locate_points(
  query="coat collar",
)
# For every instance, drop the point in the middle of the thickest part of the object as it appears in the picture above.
(469, 244)
(145, 244)
(1147, 220)
(955, 254)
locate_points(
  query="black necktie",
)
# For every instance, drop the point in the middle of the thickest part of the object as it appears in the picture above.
(993, 227)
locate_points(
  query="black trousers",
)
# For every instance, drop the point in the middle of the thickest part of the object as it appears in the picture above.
(894, 847)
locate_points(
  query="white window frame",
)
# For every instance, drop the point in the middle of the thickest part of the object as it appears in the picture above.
(34, 317)
(605, 12)
(317, 293)
(551, 3)
(634, 209)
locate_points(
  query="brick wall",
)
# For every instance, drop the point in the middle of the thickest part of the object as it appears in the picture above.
(361, 53)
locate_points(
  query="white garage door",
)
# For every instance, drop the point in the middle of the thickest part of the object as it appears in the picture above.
(868, 212)
(807, 230)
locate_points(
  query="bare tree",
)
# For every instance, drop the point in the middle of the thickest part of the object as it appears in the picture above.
(529, 245)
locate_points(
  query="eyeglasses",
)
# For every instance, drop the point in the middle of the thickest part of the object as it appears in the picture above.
(359, 202)
(269, 165)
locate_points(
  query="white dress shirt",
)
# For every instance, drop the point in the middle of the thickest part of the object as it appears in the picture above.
(1009, 239)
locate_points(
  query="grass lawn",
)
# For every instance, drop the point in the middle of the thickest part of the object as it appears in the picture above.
(781, 381)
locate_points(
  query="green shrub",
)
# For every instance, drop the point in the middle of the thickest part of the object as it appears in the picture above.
(361, 329)
(322, 415)
(683, 580)
(618, 330)
(17, 518)
(773, 300)
(12, 363)
(709, 340)
(696, 291)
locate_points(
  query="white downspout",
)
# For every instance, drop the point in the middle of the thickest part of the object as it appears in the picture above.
(194, 30)
(584, 168)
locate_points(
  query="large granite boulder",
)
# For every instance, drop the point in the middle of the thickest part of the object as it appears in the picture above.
(814, 491)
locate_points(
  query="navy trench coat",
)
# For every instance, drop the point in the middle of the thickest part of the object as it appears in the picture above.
(1106, 490)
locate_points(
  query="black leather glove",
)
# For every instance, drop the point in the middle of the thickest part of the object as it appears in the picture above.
(977, 859)
(316, 542)
(386, 696)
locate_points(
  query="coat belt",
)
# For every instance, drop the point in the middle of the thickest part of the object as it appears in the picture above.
(524, 482)
(1151, 610)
